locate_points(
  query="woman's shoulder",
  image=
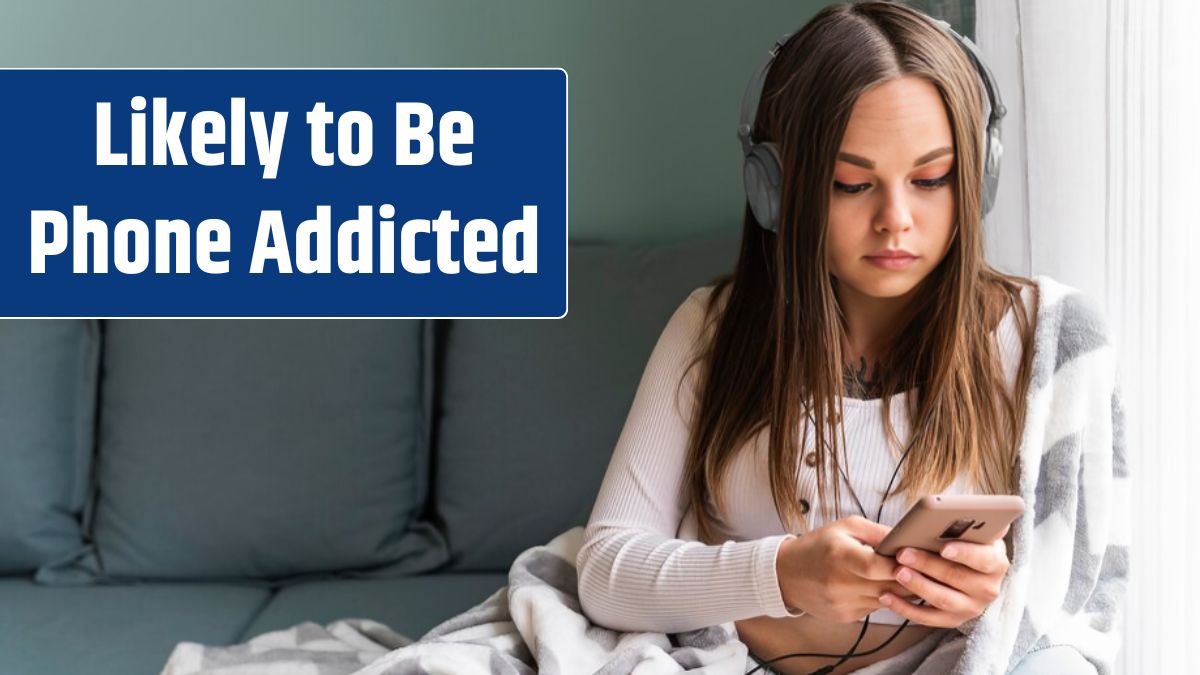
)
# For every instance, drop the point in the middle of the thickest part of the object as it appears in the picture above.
(701, 294)
(695, 305)
(686, 323)
(1028, 296)
(692, 319)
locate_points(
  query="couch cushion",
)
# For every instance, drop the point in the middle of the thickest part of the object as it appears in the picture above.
(115, 630)
(410, 606)
(47, 404)
(262, 449)
(529, 411)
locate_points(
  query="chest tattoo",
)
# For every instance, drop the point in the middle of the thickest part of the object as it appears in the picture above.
(859, 384)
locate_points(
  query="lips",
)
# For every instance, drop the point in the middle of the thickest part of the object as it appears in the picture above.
(892, 262)
(892, 253)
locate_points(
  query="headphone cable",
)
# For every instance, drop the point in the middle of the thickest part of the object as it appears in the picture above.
(850, 653)
(842, 657)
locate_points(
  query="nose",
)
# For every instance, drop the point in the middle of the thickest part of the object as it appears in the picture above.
(894, 214)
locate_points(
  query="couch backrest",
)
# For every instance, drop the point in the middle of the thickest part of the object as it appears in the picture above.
(47, 398)
(279, 451)
(260, 449)
(528, 412)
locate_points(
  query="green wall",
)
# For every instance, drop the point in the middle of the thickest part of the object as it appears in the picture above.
(654, 86)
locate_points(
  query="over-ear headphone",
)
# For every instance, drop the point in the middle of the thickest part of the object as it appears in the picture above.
(762, 170)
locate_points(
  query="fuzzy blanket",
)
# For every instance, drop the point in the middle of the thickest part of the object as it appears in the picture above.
(1065, 586)
(1071, 558)
(534, 624)
(1070, 550)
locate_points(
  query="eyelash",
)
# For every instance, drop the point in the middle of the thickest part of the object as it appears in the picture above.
(929, 184)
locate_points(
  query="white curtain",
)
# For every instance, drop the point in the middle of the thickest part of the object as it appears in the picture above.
(1100, 188)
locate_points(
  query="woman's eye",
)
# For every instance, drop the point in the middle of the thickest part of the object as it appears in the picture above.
(926, 184)
(850, 189)
(933, 183)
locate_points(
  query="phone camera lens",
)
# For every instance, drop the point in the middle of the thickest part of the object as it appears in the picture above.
(956, 530)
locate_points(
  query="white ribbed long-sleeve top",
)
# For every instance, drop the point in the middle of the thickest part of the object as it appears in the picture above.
(642, 567)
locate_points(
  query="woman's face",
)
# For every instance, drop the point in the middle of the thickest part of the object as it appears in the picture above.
(893, 189)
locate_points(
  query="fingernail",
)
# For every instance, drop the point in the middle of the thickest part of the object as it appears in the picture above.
(904, 574)
(908, 557)
(949, 552)
(885, 599)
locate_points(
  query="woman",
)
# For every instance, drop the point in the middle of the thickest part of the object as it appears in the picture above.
(867, 310)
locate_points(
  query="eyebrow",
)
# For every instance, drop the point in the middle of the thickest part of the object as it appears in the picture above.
(868, 164)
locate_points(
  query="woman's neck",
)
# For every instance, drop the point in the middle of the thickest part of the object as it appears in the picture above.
(862, 380)
(870, 323)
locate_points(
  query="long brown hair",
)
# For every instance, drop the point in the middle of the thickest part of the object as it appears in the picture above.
(772, 352)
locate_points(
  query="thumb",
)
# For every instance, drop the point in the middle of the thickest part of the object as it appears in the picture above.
(866, 531)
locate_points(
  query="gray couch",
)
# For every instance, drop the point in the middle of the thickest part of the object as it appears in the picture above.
(209, 481)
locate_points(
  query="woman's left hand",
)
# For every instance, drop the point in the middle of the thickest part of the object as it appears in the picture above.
(956, 585)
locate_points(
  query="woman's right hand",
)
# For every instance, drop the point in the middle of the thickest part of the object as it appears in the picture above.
(834, 573)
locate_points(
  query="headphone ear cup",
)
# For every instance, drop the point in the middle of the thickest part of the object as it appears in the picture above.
(761, 175)
(991, 171)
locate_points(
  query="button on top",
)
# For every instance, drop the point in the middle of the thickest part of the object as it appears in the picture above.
(804, 506)
(811, 459)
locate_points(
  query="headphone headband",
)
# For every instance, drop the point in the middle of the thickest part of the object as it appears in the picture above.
(761, 171)
(754, 92)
